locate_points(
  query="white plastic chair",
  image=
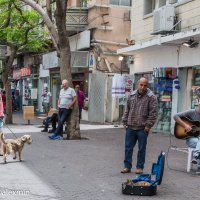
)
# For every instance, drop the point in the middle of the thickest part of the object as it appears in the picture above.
(189, 151)
(189, 161)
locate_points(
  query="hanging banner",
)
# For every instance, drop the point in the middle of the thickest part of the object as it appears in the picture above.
(16, 74)
(26, 71)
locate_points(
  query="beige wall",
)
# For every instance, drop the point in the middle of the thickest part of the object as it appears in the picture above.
(110, 30)
(120, 29)
(142, 26)
(98, 2)
(73, 3)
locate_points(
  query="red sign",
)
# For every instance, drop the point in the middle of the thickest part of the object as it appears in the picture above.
(16, 74)
(26, 71)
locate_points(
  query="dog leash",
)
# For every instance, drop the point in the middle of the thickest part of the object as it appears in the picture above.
(9, 129)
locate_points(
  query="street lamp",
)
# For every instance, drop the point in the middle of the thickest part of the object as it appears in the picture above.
(120, 58)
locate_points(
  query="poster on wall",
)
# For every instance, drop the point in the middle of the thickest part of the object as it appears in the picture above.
(27, 93)
(34, 93)
(91, 60)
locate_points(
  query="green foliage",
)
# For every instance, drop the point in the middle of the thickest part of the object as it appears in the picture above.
(21, 26)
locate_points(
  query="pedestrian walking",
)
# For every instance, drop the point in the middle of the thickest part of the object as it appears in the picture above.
(46, 100)
(139, 116)
(81, 98)
(66, 102)
(4, 100)
(1, 122)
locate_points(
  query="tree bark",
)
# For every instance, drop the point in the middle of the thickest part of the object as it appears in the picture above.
(7, 84)
(48, 5)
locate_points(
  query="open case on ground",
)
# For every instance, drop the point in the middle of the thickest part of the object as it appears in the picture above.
(146, 184)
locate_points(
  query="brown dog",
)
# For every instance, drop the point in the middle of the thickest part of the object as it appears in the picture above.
(14, 145)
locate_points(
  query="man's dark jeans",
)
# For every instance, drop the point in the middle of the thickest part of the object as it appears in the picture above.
(132, 136)
(53, 119)
(63, 114)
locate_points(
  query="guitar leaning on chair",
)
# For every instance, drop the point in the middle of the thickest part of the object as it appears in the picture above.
(180, 133)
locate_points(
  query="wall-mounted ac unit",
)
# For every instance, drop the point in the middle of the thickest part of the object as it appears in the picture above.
(79, 58)
(163, 19)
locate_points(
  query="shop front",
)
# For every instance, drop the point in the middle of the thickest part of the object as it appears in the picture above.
(26, 87)
(79, 77)
(195, 87)
(16, 88)
(165, 78)
(162, 81)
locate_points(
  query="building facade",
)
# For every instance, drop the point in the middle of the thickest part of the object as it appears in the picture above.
(166, 35)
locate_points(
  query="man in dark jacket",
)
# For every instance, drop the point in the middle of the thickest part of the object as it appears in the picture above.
(139, 116)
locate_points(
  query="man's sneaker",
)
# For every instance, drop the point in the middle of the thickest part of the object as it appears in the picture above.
(138, 171)
(44, 130)
(58, 137)
(125, 170)
(52, 136)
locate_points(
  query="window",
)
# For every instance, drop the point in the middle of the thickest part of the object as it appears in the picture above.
(151, 5)
(121, 2)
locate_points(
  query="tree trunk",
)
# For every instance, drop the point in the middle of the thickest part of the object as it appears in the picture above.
(73, 126)
(73, 131)
(9, 118)
(60, 40)
(7, 84)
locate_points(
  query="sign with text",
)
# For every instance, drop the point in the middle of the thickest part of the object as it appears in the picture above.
(26, 71)
(16, 74)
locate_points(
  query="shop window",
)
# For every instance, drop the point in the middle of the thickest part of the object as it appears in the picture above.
(195, 88)
(163, 87)
(121, 2)
(151, 5)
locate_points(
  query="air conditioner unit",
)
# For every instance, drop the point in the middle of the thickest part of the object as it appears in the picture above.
(163, 19)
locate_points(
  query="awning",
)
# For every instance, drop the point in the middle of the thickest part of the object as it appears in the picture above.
(173, 40)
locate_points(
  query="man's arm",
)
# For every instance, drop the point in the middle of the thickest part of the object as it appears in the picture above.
(153, 110)
(125, 115)
(58, 102)
(187, 114)
(74, 101)
(187, 127)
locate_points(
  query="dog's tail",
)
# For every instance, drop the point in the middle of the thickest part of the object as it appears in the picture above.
(2, 137)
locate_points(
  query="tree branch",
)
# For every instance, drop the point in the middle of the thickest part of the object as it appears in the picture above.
(52, 30)
(7, 22)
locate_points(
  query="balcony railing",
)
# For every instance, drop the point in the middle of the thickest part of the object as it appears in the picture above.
(77, 19)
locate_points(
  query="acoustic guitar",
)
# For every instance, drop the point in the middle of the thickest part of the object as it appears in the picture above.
(180, 133)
